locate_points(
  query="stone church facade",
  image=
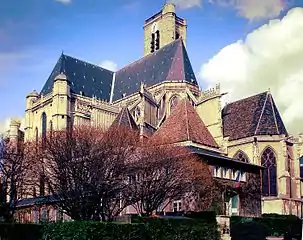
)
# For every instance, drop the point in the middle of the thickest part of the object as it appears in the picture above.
(241, 136)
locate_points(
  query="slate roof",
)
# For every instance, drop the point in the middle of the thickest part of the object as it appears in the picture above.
(222, 160)
(26, 202)
(170, 62)
(252, 116)
(84, 77)
(125, 119)
(184, 124)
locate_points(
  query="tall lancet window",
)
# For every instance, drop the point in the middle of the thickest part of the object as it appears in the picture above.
(157, 40)
(152, 43)
(177, 35)
(301, 167)
(269, 173)
(174, 102)
(44, 127)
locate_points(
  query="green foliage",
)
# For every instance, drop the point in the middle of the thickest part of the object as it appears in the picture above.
(248, 231)
(151, 229)
(20, 231)
(273, 224)
(209, 216)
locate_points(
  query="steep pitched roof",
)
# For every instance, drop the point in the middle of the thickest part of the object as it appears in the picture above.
(255, 115)
(170, 62)
(184, 124)
(84, 77)
(125, 119)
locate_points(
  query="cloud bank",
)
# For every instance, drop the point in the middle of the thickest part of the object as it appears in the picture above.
(249, 9)
(64, 1)
(109, 65)
(270, 57)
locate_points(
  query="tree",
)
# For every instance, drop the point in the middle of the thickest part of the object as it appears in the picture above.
(85, 170)
(162, 173)
(15, 182)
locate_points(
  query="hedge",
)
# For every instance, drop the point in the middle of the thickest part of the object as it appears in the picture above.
(152, 229)
(20, 231)
(273, 224)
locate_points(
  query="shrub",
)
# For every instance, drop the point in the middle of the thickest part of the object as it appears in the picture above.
(20, 231)
(248, 231)
(273, 224)
(151, 229)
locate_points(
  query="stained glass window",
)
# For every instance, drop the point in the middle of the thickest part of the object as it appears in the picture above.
(269, 173)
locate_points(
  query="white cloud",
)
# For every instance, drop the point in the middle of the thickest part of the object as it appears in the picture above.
(269, 57)
(4, 125)
(184, 4)
(109, 65)
(255, 9)
(250, 9)
(5, 122)
(64, 1)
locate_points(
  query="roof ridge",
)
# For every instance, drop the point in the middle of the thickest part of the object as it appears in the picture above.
(263, 108)
(175, 58)
(251, 96)
(273, 110)
(147, 56)
(89, 63)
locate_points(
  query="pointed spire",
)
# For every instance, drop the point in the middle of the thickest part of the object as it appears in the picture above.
(184, 124)
(62, 63)
(125, 119)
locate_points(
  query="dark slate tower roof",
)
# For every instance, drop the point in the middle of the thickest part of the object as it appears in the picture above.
(184, 124)
(168, 63)
(252, 116)
(125, 119)
(84, 77)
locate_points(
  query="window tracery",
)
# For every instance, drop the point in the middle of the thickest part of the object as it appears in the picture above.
(241, 156)
(269, 173)
(173, 102)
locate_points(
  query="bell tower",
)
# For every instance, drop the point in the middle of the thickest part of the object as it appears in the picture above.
(163, 28)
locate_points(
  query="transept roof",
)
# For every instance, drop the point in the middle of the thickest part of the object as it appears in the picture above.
(85, 78)
(169, 63)
(184, 124)
(252, 116)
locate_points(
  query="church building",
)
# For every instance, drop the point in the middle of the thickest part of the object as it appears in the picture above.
(160, 96)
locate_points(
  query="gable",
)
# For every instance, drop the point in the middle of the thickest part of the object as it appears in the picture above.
(184, 124)
(255, 115)
(168, 63)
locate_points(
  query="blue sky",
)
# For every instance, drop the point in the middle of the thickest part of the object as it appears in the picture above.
(34, 32)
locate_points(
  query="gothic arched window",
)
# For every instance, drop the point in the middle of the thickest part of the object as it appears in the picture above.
(173, 102)
(301, 167)
(269, 173)
(241, 156)
(177, 34)
(44, 125)
(51, 128)
(36, 135)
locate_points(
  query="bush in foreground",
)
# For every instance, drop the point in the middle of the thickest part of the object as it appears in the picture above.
(152, 229)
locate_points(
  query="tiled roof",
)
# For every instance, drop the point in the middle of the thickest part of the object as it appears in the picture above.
(125, 119)
(84, 77)
(168, 63)
(184, 124)
(252, 116)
